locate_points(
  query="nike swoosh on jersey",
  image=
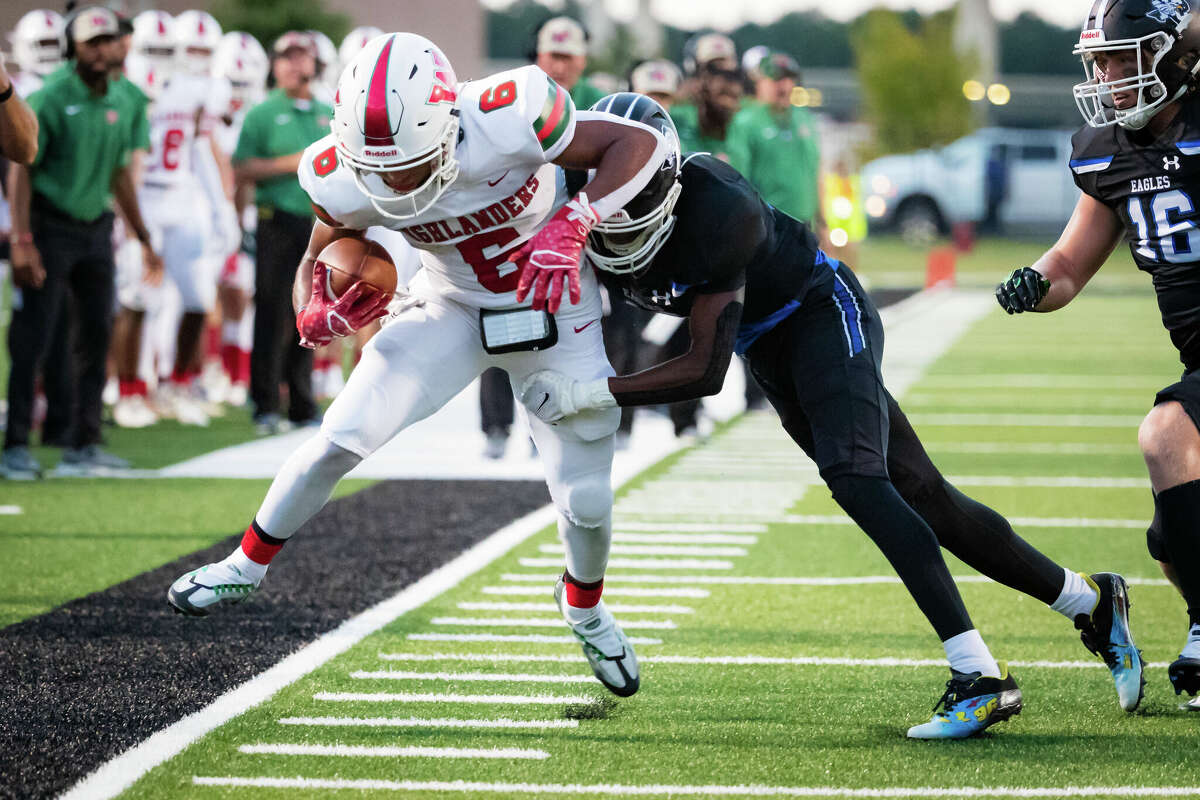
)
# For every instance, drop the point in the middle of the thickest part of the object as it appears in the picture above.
(502, 177)
(72, 110)
(585, 326)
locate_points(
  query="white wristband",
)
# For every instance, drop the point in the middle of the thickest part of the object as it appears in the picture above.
(592, 394)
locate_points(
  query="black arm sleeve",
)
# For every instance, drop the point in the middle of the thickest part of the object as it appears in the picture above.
(698, 373)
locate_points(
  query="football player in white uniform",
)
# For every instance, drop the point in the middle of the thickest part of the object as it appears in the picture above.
(467, 173)
(242, 61)
(353, 44)
(187, 208)
(37, 44)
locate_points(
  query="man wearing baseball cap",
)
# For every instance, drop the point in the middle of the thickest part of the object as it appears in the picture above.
(62, 238)
(712, 65)
(274, 135)
(658, 79)
(562, 51)
(775, 144)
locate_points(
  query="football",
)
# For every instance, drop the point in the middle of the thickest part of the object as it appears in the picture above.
(350, 259)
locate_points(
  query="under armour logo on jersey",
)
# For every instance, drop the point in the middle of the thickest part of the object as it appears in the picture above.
(1170, 162)
(1167, 10)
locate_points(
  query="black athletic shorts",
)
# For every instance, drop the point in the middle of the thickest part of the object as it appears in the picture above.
(820, 369)
(1187, 393)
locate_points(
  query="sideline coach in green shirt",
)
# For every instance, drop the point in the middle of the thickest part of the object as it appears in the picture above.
(62, 237)
(273, 137)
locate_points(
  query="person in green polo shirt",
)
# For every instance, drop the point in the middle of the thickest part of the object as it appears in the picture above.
(62, 240)
(716, 87)
(273, 137)
(775, 144)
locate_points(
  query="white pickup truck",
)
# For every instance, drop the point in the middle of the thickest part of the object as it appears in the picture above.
(923, 194)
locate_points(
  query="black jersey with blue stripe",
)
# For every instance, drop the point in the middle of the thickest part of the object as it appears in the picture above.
(726, 237)
(1153, 185)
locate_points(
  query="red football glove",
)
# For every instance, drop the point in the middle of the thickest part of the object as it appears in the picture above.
(553, 254)
(322, 319)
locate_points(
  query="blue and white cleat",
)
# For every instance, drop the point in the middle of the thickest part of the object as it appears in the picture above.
(1107, 634)
(201, 589)
(971, 704)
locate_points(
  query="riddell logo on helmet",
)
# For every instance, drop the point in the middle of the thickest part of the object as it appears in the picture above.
(1095, 35)
(367, 151)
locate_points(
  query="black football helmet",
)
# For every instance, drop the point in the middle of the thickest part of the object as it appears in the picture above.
(627, 241)
(1162, 37)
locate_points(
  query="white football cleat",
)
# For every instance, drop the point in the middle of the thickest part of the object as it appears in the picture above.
(132, 411)
(605, 645)
(201, 589)
(179, 404)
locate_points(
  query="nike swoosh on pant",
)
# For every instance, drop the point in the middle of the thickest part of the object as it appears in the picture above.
(585, 326)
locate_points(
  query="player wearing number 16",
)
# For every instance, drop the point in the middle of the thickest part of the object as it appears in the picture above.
(466, 172)
(1137, 161)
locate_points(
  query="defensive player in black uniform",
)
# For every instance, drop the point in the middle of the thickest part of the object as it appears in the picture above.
(700, 243)
(1137, 162)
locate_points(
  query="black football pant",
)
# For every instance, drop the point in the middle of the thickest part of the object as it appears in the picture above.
(276, 355)
(495, 402)
(77, 296)
(820, 368)
(623, 344)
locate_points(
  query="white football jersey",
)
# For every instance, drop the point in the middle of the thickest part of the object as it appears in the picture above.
(513, 124)
(185, 108)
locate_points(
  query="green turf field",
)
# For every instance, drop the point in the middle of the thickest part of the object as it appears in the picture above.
(777, 654)
(77, 536)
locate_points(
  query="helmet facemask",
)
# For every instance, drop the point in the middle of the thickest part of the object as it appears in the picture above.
(397, 205)
(628, 240)
(1096, 97)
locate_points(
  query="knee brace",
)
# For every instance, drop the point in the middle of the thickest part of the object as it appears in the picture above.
(589, 502)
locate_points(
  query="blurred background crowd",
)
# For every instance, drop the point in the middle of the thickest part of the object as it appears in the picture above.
(152, 241)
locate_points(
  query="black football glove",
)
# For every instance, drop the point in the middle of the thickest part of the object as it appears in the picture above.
(1023, 290)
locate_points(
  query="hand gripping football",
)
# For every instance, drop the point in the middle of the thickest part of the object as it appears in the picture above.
(350, 259)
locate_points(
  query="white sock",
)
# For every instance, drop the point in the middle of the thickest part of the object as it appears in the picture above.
(245, 565)
(586, 548)
(967, 653)
(1077, 597)
(1192, 648)
(229, 331)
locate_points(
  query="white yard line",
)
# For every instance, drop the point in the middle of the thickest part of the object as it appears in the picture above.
(10, 511)
(1048, 381)
(1029, 420)
(444, 697)
(495, 677)
(691, 527)
(736, 661)
(658, 790)
(551, 608)
(684, 538)
(1033, 448)
(639, 563)
(1051, 482)
(532, 638)
(118, 774)
(745, 580)
(656, 550)
(608, 591)
(417, 722)
(1021, 522)
(362, 751)
(541, 622)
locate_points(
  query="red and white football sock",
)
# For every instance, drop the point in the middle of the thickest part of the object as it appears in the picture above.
(254, 554)
(580, 594)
